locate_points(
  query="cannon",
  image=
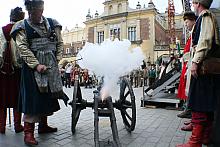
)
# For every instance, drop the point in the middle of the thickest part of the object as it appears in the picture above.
(162, 91)
(105, 108)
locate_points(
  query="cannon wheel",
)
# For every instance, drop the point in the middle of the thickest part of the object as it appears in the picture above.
(128, 106)
(77, 96)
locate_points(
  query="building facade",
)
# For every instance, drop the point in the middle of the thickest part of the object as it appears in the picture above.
(74, 40)
(144, 26)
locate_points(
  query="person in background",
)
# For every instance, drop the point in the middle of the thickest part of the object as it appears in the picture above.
(136, 75)
(145, 76)
(86, 77)
(10, 73)
(203, 90)
(152, 74)
(62, 72)
(140, 77)
(68, 70)
(40, 44)
(131, 76)
(75, 74)
(189, 20)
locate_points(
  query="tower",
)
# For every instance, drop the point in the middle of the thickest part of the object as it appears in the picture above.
(171, 24)
(151, 4)
(186, 5)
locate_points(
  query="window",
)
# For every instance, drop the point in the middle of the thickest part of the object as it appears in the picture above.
(115, 33)
(100, 37)
(67, 50)
(119, 8)
(110, 10)
(132, 33)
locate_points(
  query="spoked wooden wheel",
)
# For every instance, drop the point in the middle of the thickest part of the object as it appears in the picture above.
(75, 109)
(128, 106)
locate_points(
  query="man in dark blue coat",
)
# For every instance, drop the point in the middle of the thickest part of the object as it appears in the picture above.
(203, 91)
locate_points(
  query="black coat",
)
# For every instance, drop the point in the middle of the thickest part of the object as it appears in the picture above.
(31, 101)
(203, 93)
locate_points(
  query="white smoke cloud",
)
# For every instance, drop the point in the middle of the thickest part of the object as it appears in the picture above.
(111, 59)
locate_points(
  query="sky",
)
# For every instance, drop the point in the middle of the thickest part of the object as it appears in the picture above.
(72, 12)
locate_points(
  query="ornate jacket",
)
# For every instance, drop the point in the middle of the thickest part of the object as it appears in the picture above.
(23, 44)
(41, 44)
(205, 35)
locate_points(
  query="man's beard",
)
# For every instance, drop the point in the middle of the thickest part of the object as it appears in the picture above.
(196, 12)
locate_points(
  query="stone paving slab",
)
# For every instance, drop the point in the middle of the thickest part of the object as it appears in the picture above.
(154, 127)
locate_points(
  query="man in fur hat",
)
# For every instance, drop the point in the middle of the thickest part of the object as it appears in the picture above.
(203, 91)
(189, 18)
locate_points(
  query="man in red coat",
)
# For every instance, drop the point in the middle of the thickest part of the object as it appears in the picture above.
(189, 20)
(9, 73)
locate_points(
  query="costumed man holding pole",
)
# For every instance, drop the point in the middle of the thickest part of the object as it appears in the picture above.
(40, 44)
(203, 90)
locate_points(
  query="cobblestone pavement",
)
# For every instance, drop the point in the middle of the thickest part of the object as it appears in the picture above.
(154, 128)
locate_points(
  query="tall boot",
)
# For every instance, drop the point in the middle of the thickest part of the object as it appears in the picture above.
(196, 137)
(3, 114)
(44, 128)
(195, 140)
(17, 121)
(207, 135)
(29, 134)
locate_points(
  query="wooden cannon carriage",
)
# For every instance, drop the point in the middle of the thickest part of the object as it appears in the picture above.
(105, 108)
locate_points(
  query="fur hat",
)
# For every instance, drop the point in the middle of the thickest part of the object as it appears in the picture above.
(16, 14)
(189, 15)
(33, 4)
(205, 3)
